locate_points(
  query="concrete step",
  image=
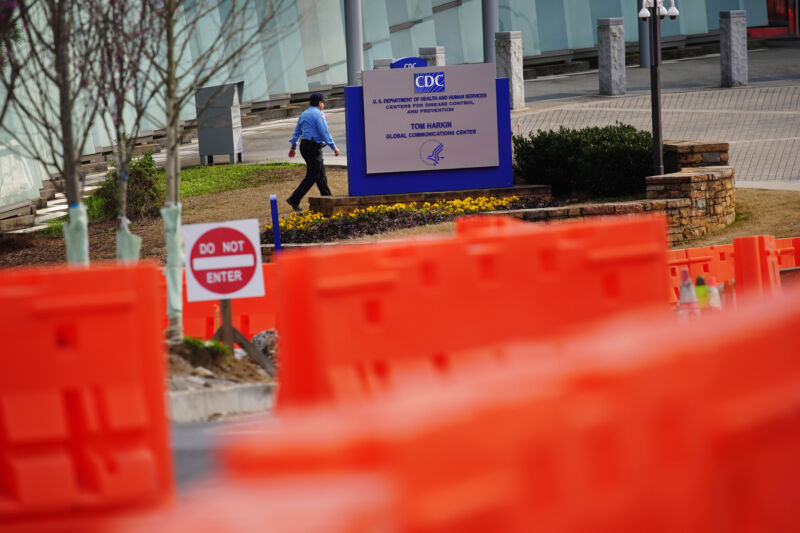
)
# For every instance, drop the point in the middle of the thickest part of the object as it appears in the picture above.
(18, 222)
(42, 219)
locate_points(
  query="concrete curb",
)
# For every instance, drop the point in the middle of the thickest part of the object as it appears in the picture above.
(202, 404)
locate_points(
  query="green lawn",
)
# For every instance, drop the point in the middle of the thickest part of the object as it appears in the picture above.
(213, 179)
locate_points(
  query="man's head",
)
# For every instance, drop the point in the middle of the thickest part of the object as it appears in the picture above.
(317, 99)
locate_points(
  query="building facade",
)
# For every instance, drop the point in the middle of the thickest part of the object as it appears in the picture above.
(306, 45)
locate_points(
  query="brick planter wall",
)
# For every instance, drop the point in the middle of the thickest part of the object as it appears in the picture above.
(711, 194)
(691, 154)
(696, 201)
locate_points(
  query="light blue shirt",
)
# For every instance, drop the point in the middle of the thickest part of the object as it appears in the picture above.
(312, 125)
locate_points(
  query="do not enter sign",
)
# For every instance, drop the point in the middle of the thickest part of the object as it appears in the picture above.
(223, 260)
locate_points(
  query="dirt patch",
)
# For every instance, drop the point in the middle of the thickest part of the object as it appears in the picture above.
(759, 212)
(253, 202)
(188, 359)
(12, 243)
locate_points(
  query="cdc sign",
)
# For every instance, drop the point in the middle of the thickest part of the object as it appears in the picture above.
(430, 118)
(429, 82)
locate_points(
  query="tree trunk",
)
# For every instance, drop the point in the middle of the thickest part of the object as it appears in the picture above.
(76, 236)
(172, 209)
(123, 174)
(128, 245)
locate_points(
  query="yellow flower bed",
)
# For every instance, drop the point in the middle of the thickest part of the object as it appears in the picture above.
(309, 219)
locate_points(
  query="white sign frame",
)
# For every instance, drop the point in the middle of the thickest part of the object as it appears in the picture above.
(195, 292)
(410, 127)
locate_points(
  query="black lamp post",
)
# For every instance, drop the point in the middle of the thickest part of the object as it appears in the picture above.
(655, 11)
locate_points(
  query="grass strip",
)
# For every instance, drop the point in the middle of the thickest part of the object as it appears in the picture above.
(199, 180)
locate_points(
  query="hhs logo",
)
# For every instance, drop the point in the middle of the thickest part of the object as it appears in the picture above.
(429, 82)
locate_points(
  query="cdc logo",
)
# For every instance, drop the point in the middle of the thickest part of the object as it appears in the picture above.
(429, 82)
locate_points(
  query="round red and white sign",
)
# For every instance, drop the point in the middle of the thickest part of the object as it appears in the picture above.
(223, 260)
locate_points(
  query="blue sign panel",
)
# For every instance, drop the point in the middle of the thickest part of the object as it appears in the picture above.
(429, 82)
(409, 62)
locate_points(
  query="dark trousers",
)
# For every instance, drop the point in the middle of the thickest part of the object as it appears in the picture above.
(315, 171)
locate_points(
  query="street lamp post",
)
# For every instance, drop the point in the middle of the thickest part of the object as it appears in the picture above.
(655, 11)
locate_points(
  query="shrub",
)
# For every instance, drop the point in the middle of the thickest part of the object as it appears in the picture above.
(96, 208)
(145, 196)
(597, 162)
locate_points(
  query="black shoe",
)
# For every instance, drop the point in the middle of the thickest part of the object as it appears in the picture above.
(296, 207)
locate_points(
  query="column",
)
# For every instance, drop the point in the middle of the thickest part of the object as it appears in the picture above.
(353, 41)
(434, 55)
(508, 64)
(611, 55)
(733, 47)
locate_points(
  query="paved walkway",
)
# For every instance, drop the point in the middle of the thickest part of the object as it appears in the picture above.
(762, 125)
(760, 121)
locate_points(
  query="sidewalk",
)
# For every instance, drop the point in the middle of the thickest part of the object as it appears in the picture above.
(760, 121)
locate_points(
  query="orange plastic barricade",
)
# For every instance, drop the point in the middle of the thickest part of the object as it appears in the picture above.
(683, 428)
(788, 251)
(757, 271)
(318, 504)
(466, 226)
(200, 319)
(676, 261)
(249, 315)
(352, 316)
(83, 429)
(252, 315)
(716, 261)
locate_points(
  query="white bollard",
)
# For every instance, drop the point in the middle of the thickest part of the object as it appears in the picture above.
(433, 54)
(508, 57)
(733, 47)
(611, 56)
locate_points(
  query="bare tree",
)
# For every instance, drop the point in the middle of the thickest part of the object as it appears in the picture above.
(128, 34)
(47, 85)
(9, 39)
(186, 63)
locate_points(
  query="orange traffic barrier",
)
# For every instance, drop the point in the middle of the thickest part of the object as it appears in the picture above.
(352, 316)
(716, 261)
(637, 424)
(321, 504)
(788, 251)
(249, 315)
(83, 429)
(757, 271)
(719, 262)
(676, 262)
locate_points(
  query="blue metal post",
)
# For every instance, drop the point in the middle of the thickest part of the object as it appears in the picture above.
(276, 228)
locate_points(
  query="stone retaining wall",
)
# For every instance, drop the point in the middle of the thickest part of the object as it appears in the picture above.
(712, 200)
(691, 154)
(696, 201)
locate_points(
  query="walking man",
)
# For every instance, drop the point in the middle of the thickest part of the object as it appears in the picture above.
(312, 130)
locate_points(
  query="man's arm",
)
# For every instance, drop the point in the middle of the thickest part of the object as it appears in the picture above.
(297, 131)
(322, 127)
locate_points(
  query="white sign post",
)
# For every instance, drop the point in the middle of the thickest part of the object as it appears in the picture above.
(223, 262)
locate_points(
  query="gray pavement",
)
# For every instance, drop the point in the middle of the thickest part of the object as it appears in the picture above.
(195, 445)
(761, 121)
